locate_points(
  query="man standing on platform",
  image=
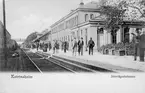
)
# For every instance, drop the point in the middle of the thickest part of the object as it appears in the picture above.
(91, 45)
(135, 40)
(74, 46)
(53, 46)
(142, 46)
(80, 46)
(65, 46)
(37, 45)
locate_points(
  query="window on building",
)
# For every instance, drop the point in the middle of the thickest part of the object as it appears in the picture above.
(114, 36)
(86, 17)
(126, 34)
(91, 16)
(67, 24)
(68, 38)
(76, 20)
(65, 38)
(71, 37)
(100, 31)
(77, 34)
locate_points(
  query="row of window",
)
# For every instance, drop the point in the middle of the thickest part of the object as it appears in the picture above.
(65, 38)
(67, 24)
(79, 35)
(71, 23)
(61, 26)
(87, 17)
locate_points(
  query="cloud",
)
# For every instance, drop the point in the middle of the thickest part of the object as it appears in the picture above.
(27, 24)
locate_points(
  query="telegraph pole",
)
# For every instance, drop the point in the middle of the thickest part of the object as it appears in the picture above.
(4, 33)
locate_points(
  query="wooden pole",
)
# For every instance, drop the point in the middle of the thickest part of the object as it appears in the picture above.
(5, 41)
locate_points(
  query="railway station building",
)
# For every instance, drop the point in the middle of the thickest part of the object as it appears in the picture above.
(78, 23)
(86, 22)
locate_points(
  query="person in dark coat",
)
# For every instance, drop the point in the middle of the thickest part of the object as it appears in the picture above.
(45, 47)
(56, 46)
(91, 45)
(37, 45)
(80, 46)
(65, 46)
(142, 46)
(53, 46)
(49, 44)
(74, 45)
(136, 39)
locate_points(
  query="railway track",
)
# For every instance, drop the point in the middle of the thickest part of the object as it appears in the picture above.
(64, 61)
(43, 64)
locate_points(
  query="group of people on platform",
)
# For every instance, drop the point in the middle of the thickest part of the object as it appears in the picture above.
(139, 41)
(42, 46)
(78, 46)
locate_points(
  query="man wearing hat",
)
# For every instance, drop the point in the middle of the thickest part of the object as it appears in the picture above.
(142, 46)
(136, 39)
(80, 46)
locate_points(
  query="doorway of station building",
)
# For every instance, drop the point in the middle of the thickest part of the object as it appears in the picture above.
(100, 32)
(126, 34)
(114, 36)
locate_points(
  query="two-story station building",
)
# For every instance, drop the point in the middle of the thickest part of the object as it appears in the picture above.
(78, 23)
(86, 22)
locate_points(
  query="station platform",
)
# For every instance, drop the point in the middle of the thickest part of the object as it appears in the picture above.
(110, 62)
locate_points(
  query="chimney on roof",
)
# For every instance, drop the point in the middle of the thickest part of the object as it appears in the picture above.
(81, 3)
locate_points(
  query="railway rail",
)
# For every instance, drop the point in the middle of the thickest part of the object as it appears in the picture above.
(46, 62)
(42, 63)
(69, 66)
(86, 67)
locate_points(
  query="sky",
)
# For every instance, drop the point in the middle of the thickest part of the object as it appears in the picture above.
(26, 16)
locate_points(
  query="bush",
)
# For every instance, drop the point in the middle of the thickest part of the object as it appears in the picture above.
(129, 47)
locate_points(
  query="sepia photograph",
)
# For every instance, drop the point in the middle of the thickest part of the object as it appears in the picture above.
(50, 38)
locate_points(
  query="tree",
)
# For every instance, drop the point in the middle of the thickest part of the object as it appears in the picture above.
(138, 5)
(119, 10)
(30, 38)
(113, 13)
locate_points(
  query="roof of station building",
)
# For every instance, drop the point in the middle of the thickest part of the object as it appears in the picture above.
(90, 5)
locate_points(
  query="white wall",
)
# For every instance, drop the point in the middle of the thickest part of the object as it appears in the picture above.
(131, 30)
(109, 38)
(118, 36)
